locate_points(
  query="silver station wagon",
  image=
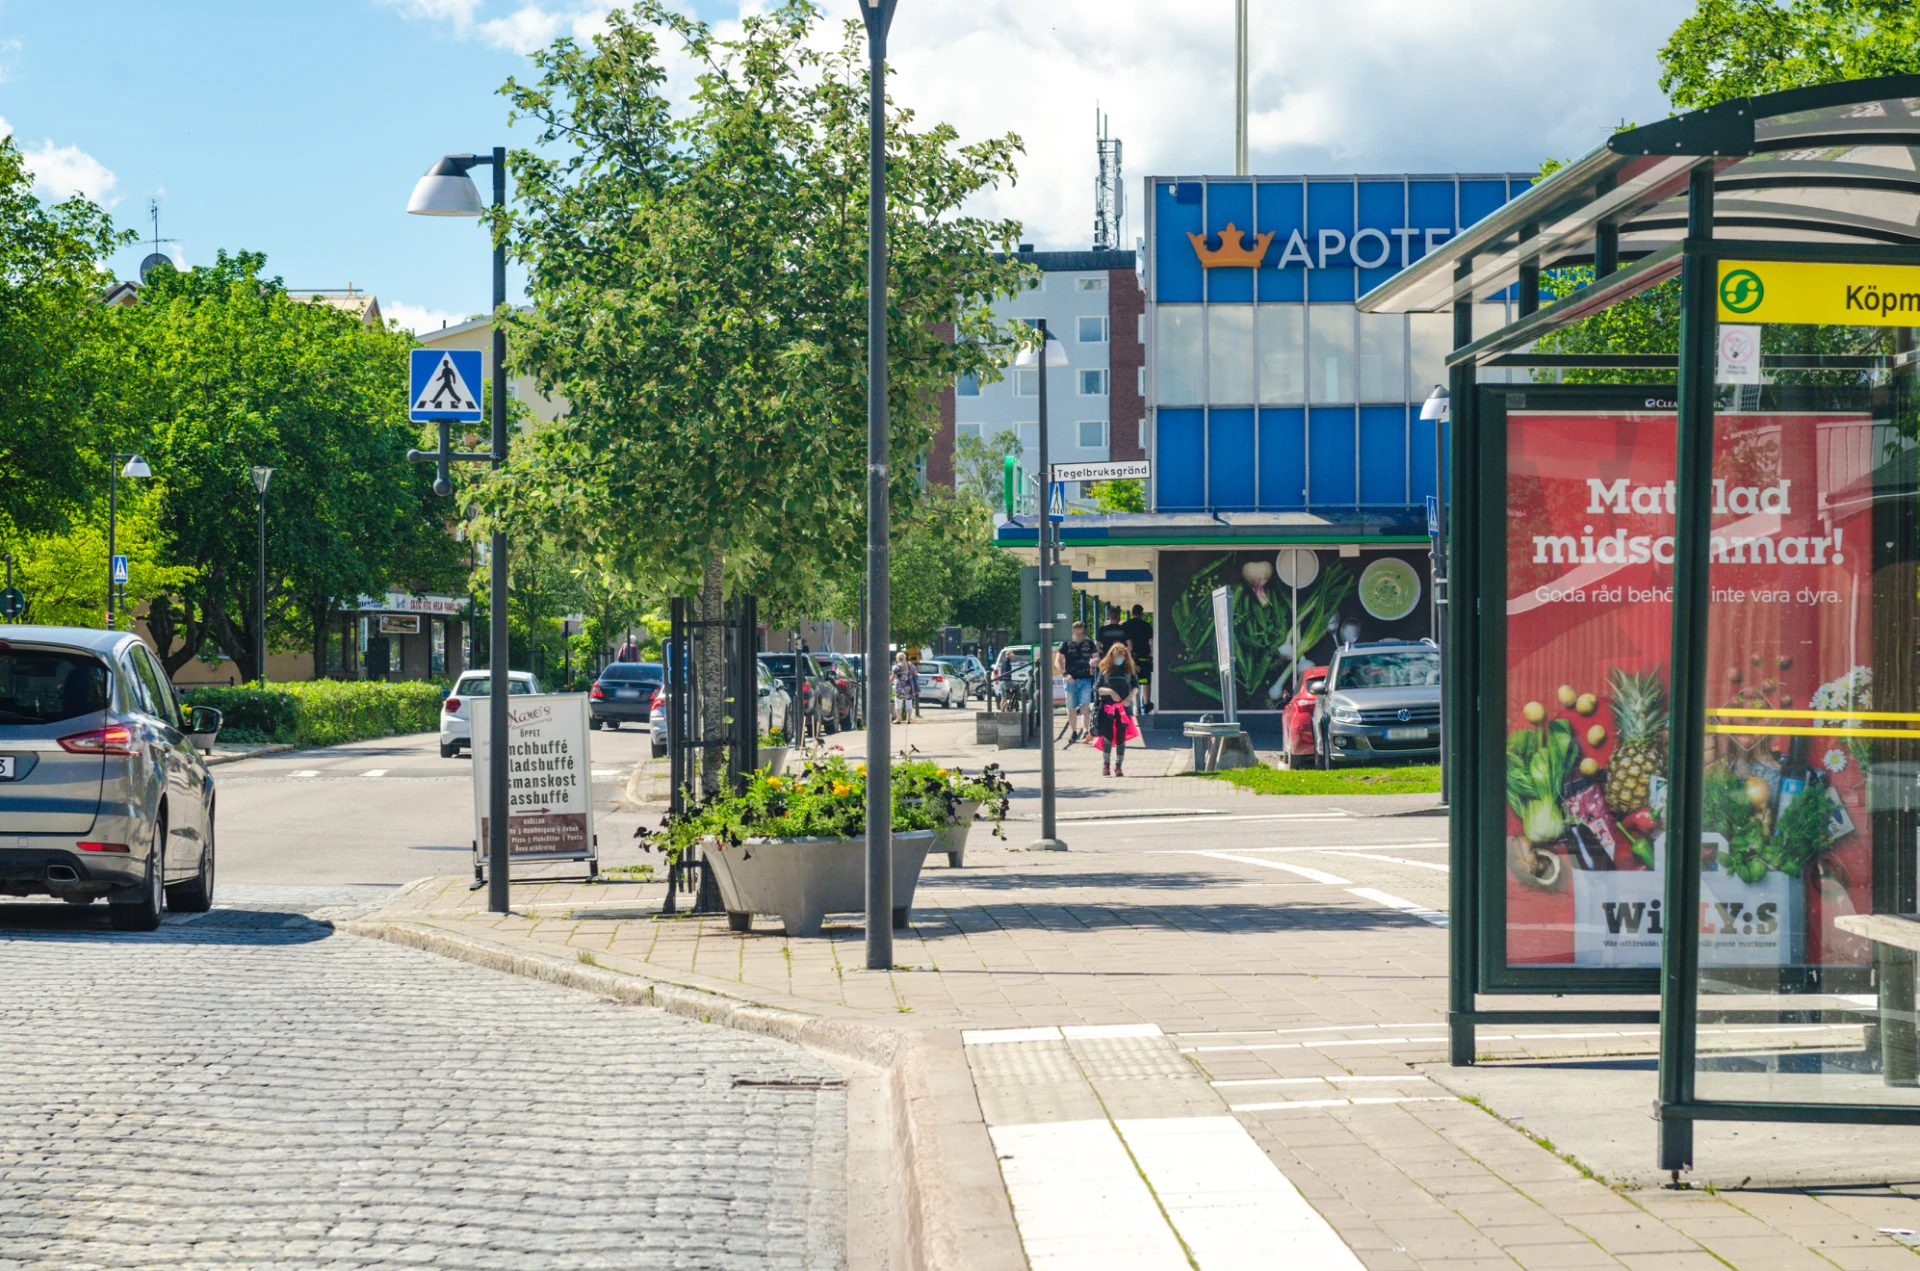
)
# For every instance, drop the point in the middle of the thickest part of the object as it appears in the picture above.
(103, 792)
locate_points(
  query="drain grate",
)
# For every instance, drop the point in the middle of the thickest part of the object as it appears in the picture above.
(789, 1083)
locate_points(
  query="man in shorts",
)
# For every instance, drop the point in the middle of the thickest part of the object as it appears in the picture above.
(1074, 658)
(1140, 641)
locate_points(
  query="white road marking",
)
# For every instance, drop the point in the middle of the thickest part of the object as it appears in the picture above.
(1317, 875)
(1391, 901)
(1289, 1032)
(1367, 854)
(1230, 1203)
(1309, 1081)
(374, 772)
(1304, 847)
(1288, 1106)
(1596, 1034)
(305, 772)
(606, 772)
(1191, 820)
(1080, 1203)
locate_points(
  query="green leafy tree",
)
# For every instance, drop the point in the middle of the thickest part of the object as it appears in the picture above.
(979, 465)
(698, 278)
(1125, 495)
(233, 372)
(64, 573)
(52, 376)
(1738, 48)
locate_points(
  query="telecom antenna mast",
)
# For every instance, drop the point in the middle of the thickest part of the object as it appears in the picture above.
(1109, 194)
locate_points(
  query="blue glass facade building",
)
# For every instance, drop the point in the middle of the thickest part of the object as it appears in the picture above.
(1268, 391)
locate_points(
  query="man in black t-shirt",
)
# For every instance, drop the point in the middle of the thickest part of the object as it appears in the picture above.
(1140, 640)
(1074, 658)
(1111, 632)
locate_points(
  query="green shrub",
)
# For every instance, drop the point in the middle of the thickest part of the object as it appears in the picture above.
(322, 712)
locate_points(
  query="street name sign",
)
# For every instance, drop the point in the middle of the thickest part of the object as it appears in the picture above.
(444, 384)
(1116, 470)
(549, 778)
(119, 569)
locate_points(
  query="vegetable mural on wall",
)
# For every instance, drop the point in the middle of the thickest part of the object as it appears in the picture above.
(1292, 607)
(1785, 843)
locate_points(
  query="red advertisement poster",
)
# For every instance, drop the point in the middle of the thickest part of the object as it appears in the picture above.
(1785, 846)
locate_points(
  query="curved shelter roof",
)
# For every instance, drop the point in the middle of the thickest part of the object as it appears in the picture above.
(1832, 164)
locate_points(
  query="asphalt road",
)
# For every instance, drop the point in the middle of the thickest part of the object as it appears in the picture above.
(386, 811)
(246, 1088)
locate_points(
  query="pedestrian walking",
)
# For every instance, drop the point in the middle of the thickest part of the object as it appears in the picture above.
(1075, 659)
(906, 688)
(1111, 632)
(628, 652)
(1140, 644)
(1114, 726)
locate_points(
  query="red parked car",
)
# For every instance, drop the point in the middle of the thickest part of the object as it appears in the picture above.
(1298, 721)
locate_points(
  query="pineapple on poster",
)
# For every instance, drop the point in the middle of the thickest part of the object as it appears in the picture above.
(1785, 845)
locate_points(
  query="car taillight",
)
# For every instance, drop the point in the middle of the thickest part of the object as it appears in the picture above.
(597, 691)
(453, 705)
(114, 739)
(659, 700)
(121, 848)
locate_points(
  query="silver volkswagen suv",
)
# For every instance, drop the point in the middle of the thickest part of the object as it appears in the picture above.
(102, 789)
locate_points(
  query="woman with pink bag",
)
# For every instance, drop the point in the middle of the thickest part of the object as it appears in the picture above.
(1113, 724)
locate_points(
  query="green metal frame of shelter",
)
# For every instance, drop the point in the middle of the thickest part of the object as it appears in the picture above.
(1824, 174)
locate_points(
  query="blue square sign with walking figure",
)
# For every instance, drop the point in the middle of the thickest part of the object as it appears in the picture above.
(444, 384)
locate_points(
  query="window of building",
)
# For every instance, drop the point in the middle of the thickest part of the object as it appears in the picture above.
(1141, 321)
(1230, 355)
(1092, 284)
(1383, 357)
(1029, 435)
(1026, 382)
(1179, 355)
(1093, 383)
(1330, 353)
(1093, 434)
(1283, 354)
(1431, 338)
(967, 386)
(966, 430)
(1093, 330)
(1140, 375)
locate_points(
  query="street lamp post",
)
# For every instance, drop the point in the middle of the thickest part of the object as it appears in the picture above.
(878, 15)
(135, 467)
(260, 478)
(447, 190)
(1049, 355)
(1435, 410)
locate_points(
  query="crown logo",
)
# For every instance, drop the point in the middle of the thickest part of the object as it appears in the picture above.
(1232, 250)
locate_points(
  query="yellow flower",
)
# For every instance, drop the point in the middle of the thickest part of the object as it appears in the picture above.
(776, 782)
(842, 789)
(860, 768)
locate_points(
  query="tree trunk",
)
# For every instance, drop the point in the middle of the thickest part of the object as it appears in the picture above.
(710, 644)
(321, 607)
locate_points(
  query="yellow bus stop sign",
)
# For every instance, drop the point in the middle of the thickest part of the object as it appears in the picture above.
(1816, 292)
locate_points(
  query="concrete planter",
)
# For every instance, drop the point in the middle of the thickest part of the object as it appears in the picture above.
(804, 880)
(953, 838)
(774, 759)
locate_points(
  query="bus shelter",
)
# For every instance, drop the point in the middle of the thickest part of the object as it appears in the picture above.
(1683, 559)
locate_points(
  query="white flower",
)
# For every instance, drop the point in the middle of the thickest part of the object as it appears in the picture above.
(1835, 760)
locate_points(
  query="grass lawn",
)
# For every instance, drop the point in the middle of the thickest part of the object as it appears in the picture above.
(1421, 779)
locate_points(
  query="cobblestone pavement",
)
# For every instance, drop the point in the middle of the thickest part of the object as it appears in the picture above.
(249, 1089)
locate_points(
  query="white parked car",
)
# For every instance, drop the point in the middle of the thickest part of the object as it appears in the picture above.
(939, 683)
(456, 713)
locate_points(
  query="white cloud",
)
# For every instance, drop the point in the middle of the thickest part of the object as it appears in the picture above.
(1378, 86)
(60, 172)
(418, 318)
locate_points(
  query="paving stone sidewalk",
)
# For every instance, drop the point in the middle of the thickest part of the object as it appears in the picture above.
(1138, 1012)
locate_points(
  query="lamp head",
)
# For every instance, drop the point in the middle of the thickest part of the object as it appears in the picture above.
(136, 467)
(1438, 404)
(447, 190)
(1056, 354)
(260, 478)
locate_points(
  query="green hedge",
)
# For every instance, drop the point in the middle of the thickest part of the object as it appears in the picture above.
(323, 712)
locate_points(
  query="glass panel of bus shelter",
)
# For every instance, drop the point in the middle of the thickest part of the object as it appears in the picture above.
(1589, 564)
(1812, 738)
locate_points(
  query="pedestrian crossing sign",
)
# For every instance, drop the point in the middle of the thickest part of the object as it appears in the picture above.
(444, 384)
(119, 569)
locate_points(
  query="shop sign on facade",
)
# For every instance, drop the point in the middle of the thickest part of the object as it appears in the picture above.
(401, 602)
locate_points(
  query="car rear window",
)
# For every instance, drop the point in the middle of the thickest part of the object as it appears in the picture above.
(49, 687)
(633, 671)
(781, 663)
(933, 668)
(481, 685)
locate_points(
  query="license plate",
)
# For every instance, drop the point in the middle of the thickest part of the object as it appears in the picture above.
(1408, 734)
(626, 693)
(6, 767)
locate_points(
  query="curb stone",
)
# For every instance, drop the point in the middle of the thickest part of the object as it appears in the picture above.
(235, 756)
(954, 1211)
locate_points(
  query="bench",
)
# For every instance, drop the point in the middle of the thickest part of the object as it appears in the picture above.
(1896, 939)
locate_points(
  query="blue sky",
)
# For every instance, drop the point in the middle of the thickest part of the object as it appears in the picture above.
(297, 127)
